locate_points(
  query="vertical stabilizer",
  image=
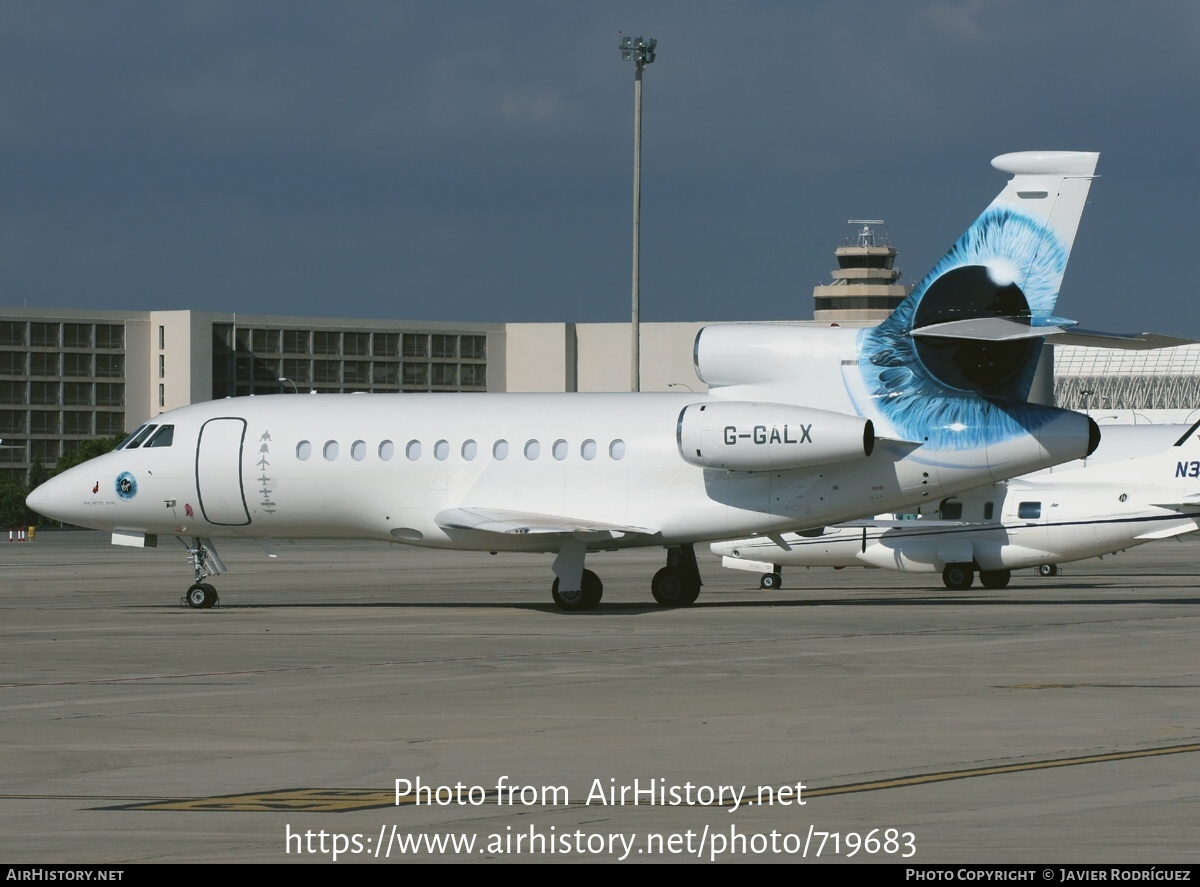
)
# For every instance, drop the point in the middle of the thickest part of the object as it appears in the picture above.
(1003, 273)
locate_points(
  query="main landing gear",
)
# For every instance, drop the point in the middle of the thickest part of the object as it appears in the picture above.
(205, 562)
(958, 577)
(589, 594)
(574, 589)
(995, 578)
(678, 583)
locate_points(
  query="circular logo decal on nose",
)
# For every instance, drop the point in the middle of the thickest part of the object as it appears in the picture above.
(126, 485)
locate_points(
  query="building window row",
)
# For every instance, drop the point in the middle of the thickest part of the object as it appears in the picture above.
(102, 394)
(37, 334)
(78, 423)
(274, 376)
(53, 363)
(385, 451)
(252, 360)
(349, 343)
(849, 302)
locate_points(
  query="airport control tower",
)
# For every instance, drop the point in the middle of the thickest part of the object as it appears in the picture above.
(864, 287)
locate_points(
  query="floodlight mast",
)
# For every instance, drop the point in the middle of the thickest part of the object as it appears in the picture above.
(641, 53)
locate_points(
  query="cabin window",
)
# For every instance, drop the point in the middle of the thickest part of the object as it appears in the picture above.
(532, 449)
(163, 437)
(560, 450)
(500, 450)
(988, 510)
(441, 450)
(387, 449)
(303, 450)
(469, 450)
(136, 439)
(413, 450)
(616, 449)
(951, 510)
(330, 451)
(358, 450)
(588, 450)
(1029, 510)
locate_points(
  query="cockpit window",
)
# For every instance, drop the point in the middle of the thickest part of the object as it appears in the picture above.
(130, 437)
(163, 437)
(136, 439)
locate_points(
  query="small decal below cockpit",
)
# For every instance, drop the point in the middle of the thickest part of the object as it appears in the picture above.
(126, 485)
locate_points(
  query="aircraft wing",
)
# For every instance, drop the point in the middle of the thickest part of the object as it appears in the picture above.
(1167, 532)
(1183, 503)
(502, 521)
(910, 524)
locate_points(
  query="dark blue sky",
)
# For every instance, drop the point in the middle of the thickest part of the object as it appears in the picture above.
(473, 160)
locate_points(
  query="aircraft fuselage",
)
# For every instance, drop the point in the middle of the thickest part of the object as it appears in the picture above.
(393, 467)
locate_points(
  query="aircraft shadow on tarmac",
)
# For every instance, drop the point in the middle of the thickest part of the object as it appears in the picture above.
(649, 608)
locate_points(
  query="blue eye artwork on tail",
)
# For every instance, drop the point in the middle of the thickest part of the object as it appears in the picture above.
(955, 393)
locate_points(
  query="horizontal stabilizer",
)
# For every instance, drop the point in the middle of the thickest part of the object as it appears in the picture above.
(496, 520)
(1125, 341)
(736, 563)
(1011, 329)
(987, 329)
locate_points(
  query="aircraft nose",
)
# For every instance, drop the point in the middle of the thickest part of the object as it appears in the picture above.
(42, 499)
(54, 498)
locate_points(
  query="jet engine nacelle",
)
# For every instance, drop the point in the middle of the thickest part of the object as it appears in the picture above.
(745, 436)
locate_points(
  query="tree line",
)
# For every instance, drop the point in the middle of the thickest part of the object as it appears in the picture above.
(14, 513)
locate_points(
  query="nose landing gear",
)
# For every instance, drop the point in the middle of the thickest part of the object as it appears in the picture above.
(205, 562)
(202, 596)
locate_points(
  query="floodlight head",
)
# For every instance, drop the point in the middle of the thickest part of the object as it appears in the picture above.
(639, 49)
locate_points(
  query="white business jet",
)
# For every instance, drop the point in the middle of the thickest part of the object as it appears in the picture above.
(1107, 503)
(802, 427)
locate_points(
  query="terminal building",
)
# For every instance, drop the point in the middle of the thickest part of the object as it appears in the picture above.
(67, 376)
